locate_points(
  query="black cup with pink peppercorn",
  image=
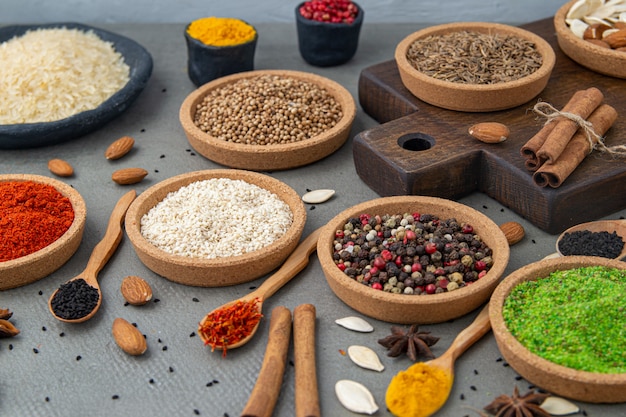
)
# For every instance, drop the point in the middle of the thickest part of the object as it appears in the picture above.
(328, 31)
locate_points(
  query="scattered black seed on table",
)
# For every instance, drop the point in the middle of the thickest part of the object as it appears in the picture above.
(499, 360)
(74, 299)
(462, 397)
(252, 287)
(475, 372)
(164, 90)
(35, 350)
(196, 412)
(156, 300)
(312, 208)
(44, 328)
(142, 130)
(519, 378)
(79, 357)
(62, 334)
(209, 384)
(164, 348)
(10, 346)
(585, 242)
(192, 334)
(308, 190)
(47, 399)
(533, 240)
(473, 388)
(585, 413)
(505, 364)
(162, 156)
(195, 300)
(126, 304)
(115, 397)
(151, 381)
(156, 171)
(485, 207)
(215, 381)
(193, 154)
(40, 292)
(171, 369)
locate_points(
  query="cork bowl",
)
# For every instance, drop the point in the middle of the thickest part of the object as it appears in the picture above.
(474, 97)
(268, 157)
(601, 60)
(221, 271)
(30, 268)
(411, 309)
(557, 379)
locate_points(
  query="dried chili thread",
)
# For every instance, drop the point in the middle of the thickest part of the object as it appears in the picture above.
(32, 216)
(230, 324)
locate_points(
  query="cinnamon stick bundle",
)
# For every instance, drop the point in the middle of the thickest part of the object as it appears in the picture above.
(554, 136)
(554, 173)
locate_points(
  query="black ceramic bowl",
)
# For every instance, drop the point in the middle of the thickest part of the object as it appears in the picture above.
(30, 135)
(207, 62)
(328, 44)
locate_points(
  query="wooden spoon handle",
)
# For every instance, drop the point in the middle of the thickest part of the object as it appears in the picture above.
(267, 388)
(295, 263)
(307, 397)
(103, 251)
(468, 336)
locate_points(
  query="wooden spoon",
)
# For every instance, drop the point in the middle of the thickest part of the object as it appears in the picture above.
(618, 226)
(295, 263)
(468, 336)
(102, 252)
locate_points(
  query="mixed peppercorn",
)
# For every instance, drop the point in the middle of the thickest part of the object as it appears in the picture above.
(411, 253)
(330, 11)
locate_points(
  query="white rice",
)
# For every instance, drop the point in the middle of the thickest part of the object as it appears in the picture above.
(51, 74)
(216, 218)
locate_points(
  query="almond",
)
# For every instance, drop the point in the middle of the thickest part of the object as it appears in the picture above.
(489, 132)
(595, 31)
(119, 148)
(136, 290)
(60, 168)
(599, 43)
(513, 231)
(616, 39)
(128, 337)
(127, 176)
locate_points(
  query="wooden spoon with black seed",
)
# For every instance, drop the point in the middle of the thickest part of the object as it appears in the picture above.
(67, 303)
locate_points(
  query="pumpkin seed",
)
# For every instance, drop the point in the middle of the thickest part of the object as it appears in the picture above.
(355, 323)
(558, 406)
(355, 397)
(317, 196)
(365, 358)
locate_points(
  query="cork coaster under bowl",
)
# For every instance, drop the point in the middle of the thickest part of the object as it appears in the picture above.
(578, 385)
(268, 157)
(597, 58)
(222, 270)
(412, 308)
(472, 97)
(30, 268)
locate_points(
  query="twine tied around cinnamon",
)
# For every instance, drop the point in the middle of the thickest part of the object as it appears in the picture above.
(596, 142)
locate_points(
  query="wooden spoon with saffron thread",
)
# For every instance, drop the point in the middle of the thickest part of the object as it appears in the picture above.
(468, 336)
(295, 263)
(610, 226)
(102, 252)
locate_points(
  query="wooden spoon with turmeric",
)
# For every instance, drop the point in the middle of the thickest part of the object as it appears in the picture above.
(439, 372)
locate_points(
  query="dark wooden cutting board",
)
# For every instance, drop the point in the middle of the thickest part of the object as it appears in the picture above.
(420, 149)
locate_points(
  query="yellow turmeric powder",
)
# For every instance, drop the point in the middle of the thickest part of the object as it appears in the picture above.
(419, 391)
(221, 31)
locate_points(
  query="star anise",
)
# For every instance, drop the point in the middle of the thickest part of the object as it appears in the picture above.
(526, 405)
(413, 342)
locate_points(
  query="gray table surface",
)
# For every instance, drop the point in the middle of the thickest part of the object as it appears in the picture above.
(45, 374)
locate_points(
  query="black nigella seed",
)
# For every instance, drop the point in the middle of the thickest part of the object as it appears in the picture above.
(159, 340)
(156, 300)
(209, 384)
(533, 240)
(472, 387)
(585, 413)
(505, 364)
(518, 378)
(47, 399)
(485, 207)
(62, 334)
(115, 397)
(44, 328)
(187, 150)
(312, 208)
(462, 396)
(499, 360)
(226, 415)
(156, 171)
(252, 287)
(196, 412)
(192, 334)
(142, 130)
(193, 154)
(308, 190)
(10, 346)
(215, 381)
(501, 210)
(151, 381)
(475, 372)
(40, 292)
(164, 90)
(126, 303)
(195, 300)
(162, 156)
(134, 324)
(588, 243)
(79, 357)
(74, 299)
(164, 348)
(171, 369)
(35, 350)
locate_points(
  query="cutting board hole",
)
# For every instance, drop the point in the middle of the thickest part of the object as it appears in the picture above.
(416, 142)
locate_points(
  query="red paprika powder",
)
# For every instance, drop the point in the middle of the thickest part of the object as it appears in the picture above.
(32, 216)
